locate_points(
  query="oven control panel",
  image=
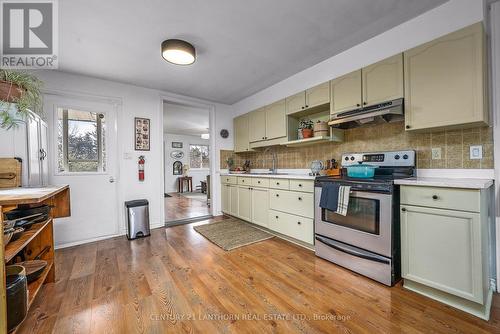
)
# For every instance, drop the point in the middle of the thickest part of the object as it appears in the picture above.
(381, 159)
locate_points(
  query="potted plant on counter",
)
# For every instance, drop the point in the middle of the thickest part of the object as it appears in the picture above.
(306, 128)
(19, 95)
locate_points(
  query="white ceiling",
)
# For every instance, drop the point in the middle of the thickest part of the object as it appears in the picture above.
(243, 46)
(184, 120)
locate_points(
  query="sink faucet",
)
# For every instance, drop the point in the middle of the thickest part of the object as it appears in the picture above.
(274, 157)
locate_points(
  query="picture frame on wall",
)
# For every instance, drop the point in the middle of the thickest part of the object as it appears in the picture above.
(142, 134)
(177, 168)
(176, 144)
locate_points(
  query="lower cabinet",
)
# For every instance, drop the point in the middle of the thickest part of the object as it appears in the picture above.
(225, 199)
(260, 206)
(300, 228)
(244, 203)
(233, 201)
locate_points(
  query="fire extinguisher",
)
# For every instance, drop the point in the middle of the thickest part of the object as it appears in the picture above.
(141, 167)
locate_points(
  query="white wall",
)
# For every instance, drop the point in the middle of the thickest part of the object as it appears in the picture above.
(138, 102)
(444, 19)
(197, 174)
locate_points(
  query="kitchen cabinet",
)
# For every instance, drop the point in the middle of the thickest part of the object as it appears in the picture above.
(233, 201)
(276, 120)
(225, 201)
(257, 125)
(446, 81)
(310, 98)
(383, 81)
(241, 133)
(299, 228)
(444, 248)
(346, 92)
(245, 203)
(297, 203)
(260, 206)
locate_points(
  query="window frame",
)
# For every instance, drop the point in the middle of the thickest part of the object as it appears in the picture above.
(65, 125)
(189, 158)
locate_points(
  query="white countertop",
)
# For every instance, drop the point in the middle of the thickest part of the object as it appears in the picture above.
(274, 176)
(466, 183)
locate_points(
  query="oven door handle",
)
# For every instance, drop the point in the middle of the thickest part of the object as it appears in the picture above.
(351, 251)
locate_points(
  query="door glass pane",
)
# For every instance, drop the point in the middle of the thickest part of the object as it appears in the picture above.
(363, 214)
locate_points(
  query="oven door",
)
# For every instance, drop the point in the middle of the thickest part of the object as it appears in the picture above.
(367, 225)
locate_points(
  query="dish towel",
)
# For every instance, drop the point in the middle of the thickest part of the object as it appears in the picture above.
(329, 196)
(343, 200)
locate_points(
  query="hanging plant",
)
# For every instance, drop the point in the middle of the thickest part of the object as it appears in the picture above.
(19, 95)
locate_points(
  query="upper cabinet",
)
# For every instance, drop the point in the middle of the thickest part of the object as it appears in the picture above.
(445, 81)
(241, 140)
(267, 124)
(379, 82)
(257, 125)
(310, 98)
(383, 81)
(346, 92)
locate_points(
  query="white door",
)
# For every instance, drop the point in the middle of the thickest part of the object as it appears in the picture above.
(34, 152)
(84, 156)
(44, 149)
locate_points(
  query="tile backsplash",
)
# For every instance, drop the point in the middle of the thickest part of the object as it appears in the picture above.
(454, 145)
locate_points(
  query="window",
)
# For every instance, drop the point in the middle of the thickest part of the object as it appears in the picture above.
(81, 144)
(198, 156)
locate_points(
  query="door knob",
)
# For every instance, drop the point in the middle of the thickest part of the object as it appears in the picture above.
(111, 179)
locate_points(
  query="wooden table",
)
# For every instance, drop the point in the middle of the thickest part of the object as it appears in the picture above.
(180, 183)
(38, 237)
(203, 187)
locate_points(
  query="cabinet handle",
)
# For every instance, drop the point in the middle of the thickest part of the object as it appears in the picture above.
(307, 106)
(242, 181)
(408, 126)
(300, 198)
(258, 182)
(277, 183)
(364, 103)
(434, 197)
(300, 184)
(277, 195)
(277, 217)
(299, 223)
(303, 107)
(403, 209)
(358, 105)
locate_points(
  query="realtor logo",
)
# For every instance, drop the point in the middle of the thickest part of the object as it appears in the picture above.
(29, 34)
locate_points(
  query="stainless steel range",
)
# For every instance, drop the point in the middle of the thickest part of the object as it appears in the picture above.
(367, 239)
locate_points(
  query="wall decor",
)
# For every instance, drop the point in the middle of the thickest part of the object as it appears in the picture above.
(177, 154)
(224, 133)
(176, 144)
(177, 168)
(142, 134)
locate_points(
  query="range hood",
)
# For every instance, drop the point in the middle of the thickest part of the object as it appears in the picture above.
(386, 112)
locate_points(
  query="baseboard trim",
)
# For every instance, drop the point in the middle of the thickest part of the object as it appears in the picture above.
(187, 221)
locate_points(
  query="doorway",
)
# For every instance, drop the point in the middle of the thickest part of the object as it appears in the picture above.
(187, 162)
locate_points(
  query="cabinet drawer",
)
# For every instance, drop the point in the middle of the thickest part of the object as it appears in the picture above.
(245, 181)
(443, 198)
(228, 179)
(302, 185)
(279, 183)
(260, 182)
(297, 227)
(296, 203)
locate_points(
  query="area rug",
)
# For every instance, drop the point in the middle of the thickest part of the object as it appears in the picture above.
(196, 196)
(231, 233)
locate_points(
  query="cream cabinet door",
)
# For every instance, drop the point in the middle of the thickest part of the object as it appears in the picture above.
(225, 199)
(346, 92)
(383, 81)
(318, 95)
(245, 203)
(241, 142)
(296, 102)
(442, 249)
(257, 125)
(276, 120)
(445, 81)
(260, 206)
(233, 200)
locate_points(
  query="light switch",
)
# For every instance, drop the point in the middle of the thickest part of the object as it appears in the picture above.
(436, 153)
(476, 152)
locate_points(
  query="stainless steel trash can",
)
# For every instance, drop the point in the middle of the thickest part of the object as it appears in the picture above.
(137, 218)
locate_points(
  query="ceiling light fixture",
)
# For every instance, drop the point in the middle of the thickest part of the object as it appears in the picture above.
(205, 136)
(178, 52)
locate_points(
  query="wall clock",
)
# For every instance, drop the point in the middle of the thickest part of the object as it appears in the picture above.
(224, 133)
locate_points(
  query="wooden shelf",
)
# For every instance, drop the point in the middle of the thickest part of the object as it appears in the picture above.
(14, 247)
(308, 141)
(34, 287)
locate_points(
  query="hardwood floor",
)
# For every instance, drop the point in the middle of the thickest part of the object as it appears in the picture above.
(177, 281)
(179, 207)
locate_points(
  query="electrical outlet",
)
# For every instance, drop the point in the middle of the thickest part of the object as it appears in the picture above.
(436, 153)
(476, 152)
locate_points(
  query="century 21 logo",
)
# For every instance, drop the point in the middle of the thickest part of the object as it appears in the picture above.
(27, 28)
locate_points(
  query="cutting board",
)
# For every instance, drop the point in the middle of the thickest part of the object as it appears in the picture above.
(10, 173)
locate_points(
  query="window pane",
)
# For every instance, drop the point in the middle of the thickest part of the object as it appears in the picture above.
(199, 156)
(81, 145)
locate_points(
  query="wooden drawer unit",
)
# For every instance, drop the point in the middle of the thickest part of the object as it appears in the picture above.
(296, 203)
(245, 181)
(297, 227)
(443, 198)
(228, 179)
(279, 184)
(302, 185)
(260, 182)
